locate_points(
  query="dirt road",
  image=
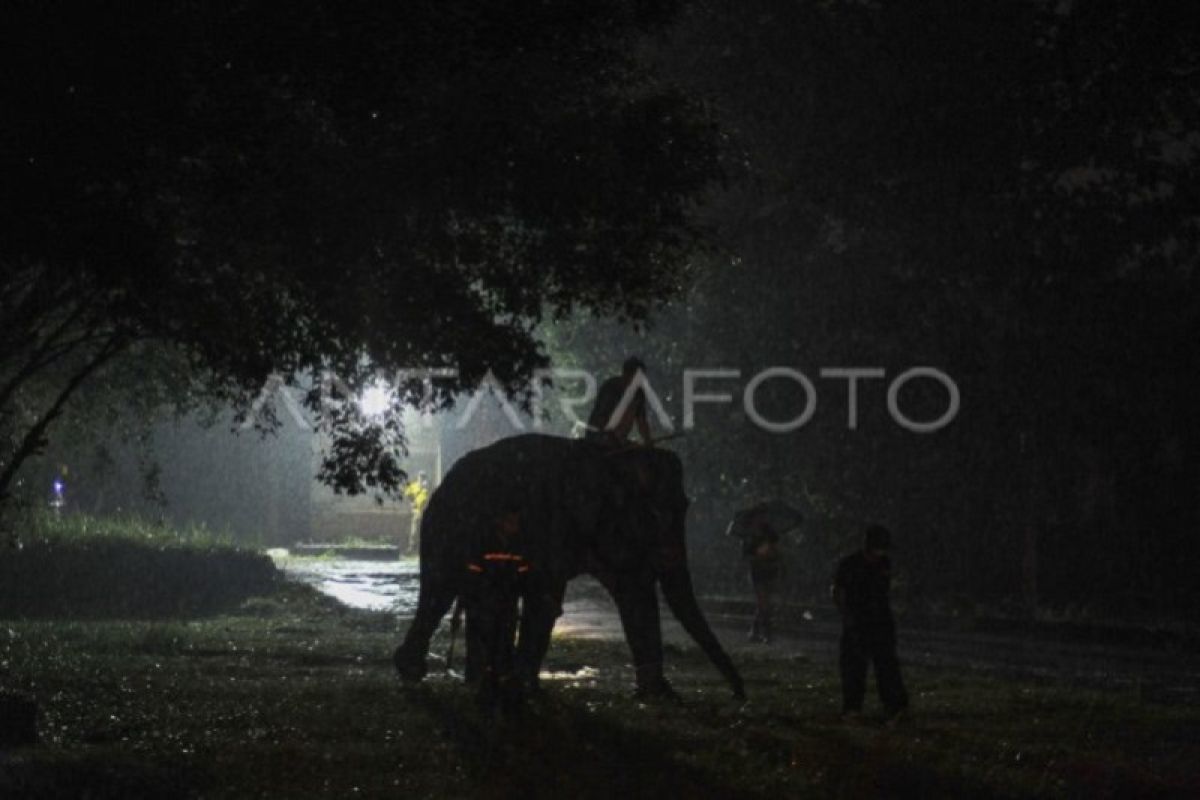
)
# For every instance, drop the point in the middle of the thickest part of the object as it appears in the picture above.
(1158, 674)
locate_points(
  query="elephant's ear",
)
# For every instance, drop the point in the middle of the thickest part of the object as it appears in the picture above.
(634, 476)
(657, 475)
(644, 478)
(581, 500)
(608, 497)
(667, 476)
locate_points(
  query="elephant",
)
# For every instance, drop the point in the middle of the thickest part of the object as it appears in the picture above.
(618, 515)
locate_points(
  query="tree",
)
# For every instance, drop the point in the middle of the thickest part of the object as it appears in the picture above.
(1004, 190)
(345, 188)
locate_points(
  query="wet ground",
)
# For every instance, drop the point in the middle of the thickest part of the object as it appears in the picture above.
(372, 585)
(295, 696)
(1157, 673)
(393, 586)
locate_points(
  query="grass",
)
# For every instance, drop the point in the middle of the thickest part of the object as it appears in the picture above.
(82, 566)
(43, 525)
(294, 696)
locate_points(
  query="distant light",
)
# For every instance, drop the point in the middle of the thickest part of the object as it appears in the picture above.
(58, 487)
(375, 400)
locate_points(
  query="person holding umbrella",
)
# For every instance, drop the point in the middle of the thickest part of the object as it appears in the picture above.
(760, 529)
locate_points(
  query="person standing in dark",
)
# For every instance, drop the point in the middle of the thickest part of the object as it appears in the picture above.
(609, 423)
(760, 546)
(860, 592)
(498, 580)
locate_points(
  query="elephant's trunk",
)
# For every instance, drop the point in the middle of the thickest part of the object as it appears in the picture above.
(676, 582)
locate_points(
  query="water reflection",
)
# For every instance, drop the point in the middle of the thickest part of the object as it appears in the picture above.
(394, 585)
(372, 585)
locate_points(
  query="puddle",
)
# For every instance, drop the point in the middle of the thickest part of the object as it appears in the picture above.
(394, 585)
(371, 585)
(583, 673)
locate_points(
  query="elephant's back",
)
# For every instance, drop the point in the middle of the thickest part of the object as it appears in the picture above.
(526, 450)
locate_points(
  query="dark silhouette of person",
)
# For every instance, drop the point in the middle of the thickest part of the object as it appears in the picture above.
(609, 422)
(760, 546)
(498, 581)
(860, 590)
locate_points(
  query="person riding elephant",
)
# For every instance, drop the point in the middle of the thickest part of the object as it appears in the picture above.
(614, 415)
(618, 516)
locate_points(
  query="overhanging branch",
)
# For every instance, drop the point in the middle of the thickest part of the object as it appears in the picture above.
(34, 438)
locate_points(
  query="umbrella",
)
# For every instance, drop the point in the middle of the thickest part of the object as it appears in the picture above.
(779, 515)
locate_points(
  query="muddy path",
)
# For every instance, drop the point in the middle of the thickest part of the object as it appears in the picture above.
(1158, 674)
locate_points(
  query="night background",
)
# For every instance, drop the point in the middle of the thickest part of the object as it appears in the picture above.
(262, 266)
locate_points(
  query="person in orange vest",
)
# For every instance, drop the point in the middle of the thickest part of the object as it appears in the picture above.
(498, 579)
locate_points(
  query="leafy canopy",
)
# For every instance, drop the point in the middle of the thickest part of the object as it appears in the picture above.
(348, 187)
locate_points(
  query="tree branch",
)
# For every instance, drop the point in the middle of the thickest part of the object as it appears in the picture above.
(27, 298)
(34, 438)
(40, 357)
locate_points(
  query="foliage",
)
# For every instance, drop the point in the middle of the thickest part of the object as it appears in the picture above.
(1003, 191)
(351, 189)
(39, 525)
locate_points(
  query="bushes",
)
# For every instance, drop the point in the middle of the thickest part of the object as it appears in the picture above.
(83, 567)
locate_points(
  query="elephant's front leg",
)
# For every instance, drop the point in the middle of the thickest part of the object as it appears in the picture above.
(475, 643)
(541, 608)
(435, 598)
(637, 603)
